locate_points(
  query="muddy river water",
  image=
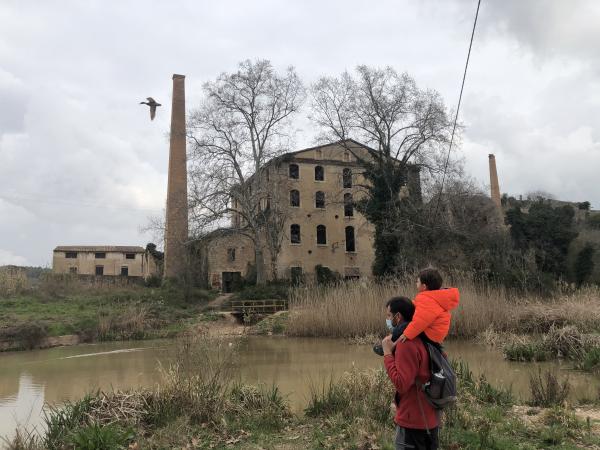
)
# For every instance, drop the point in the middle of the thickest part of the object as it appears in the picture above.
(29, 380)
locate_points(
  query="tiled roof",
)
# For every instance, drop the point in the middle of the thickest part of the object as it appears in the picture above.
(100, 248)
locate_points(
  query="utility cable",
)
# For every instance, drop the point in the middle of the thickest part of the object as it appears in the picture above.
(462, 86)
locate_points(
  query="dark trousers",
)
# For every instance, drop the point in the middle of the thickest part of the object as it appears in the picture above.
(409, 438)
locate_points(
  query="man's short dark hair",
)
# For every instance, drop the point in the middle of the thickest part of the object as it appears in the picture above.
(431, 278)
(401, 305)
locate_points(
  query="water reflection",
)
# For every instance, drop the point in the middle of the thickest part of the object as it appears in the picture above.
(25, 408)
(27, 379)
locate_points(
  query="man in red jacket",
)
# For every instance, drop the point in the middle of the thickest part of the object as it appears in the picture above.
(407, 365)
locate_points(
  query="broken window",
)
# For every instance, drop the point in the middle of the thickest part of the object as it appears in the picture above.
(100, 255)
(347, 178)
(350, 243)
(99, 270)
(319, 173)
(231, 254)
(295, 233)
(294, 198)
(294, 171)
(71, 255)
(320, 199)
(321, 235)
(72, 269)
(129, 255)
(348, 205)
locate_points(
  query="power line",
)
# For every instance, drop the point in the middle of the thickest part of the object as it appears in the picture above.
(462, 86)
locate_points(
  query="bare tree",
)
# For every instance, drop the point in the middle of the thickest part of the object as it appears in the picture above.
(403, 124)
(243, 122)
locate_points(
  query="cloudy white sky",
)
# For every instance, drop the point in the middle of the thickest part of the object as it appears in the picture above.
(81, 163)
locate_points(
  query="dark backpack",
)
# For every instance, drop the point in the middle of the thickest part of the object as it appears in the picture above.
(440, 390)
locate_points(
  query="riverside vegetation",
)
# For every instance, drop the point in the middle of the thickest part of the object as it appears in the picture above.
(210, 409)
(56, 306)
(526, 327)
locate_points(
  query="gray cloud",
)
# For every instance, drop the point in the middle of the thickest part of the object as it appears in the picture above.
(80, 162)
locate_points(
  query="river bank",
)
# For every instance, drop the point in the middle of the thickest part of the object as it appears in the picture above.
(215, 408)
(66, 314)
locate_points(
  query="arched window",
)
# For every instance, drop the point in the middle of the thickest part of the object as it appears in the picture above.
(350, 243)
(294, 171)
(319, 173)
(348, 205)
(320, 199)
(295, 233)
(347, 178)
(295, 198)
(321, 235)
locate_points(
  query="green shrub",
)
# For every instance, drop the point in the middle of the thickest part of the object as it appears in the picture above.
(259, 406)
(60, 421)
(327, 401)
(525, 351)
(584, 264)
(591, 360)
(153, 281)
(99, 437)
(357, 394)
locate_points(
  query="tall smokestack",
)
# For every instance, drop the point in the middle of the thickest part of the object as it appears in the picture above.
(176, 225)
(494, 185)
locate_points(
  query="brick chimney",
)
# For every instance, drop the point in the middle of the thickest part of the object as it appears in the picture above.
(176, 224)
(494, 185)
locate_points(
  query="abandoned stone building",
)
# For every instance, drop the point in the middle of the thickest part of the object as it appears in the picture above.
(126, 261)
(316, 189)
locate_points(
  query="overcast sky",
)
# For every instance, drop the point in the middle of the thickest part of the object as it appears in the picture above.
(81, 163)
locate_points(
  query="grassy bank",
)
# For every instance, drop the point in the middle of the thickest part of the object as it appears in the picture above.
(97, 313)
(198, 405)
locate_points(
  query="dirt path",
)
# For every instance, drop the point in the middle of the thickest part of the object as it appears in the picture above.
(217, 303)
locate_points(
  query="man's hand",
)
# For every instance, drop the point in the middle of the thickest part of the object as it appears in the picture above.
(388, 345)
(402, 338)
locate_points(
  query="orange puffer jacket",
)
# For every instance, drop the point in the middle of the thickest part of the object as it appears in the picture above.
(432, 314)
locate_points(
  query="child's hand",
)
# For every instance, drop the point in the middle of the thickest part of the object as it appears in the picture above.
(402, 338)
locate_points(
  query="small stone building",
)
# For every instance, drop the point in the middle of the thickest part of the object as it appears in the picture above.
(318, 188)
(102, 260)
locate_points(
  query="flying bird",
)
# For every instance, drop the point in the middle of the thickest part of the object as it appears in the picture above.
(152, 104)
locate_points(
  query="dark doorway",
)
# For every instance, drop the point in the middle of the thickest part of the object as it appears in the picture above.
(124, 271)
(296, 275)
(231, 281)
(99, 270)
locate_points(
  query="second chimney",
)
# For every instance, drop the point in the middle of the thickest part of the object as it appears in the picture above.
(494, 185)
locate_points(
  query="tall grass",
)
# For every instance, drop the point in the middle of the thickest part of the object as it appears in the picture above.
(357, 309)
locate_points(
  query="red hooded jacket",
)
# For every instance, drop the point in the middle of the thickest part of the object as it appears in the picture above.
(432, 314)
(408, 366)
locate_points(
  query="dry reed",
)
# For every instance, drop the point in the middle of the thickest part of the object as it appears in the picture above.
(356, 309)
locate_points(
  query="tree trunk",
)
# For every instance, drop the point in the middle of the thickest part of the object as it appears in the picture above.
(261, 276)
(274, 268)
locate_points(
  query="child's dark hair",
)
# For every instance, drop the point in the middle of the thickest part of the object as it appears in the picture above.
(401, 305)
(431, 278)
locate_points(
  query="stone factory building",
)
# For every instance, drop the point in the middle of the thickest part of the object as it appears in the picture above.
(126, 261)
(322, 226)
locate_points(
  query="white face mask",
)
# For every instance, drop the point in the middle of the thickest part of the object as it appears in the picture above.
(389, 324)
